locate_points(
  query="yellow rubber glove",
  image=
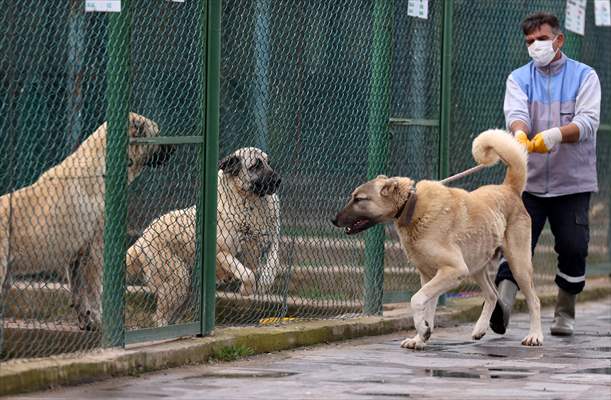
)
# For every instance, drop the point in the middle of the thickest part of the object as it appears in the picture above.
(521, 137)
(544, 141)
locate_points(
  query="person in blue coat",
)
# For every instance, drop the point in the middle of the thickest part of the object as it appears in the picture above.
(552, 106)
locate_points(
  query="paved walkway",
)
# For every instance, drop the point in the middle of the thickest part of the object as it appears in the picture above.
(452, 367)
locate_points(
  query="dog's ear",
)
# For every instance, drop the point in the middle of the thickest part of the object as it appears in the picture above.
(137, 126)
(389, 187)
(230, 165)
(381, 177)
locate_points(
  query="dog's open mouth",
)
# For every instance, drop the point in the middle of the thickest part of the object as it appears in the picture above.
(359, 226)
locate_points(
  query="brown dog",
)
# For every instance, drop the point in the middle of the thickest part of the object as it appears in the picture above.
(450, 233)
(56, 224)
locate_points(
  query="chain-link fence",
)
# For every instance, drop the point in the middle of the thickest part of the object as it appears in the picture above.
(315, 98)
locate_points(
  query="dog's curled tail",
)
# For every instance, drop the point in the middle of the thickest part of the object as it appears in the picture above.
(494, 144)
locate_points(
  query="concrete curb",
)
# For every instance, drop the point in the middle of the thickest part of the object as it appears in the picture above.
(38, 374)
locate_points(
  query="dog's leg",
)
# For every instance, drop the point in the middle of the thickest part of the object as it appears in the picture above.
(85, 276)
(4, 264)
(3, 261)
(445, 279)
(78, 288)
(518, 254)
(229, 263)
(75, 280)
(272, 266)
(171, 280)
(91, 270)
(489, 293)
(3, 267)
(431, 305)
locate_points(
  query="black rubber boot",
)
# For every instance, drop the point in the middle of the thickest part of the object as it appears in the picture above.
(504, 304)
(564, 314)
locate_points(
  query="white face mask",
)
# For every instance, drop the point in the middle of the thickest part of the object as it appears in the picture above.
(542, 52)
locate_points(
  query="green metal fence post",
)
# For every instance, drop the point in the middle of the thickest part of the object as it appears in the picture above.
(446, 68)
(115, 198)
(209, 167)
(379, 136)
(446, 96)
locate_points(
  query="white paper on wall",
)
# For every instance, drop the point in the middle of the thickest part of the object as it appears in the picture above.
(418, 8)
(575, 17)
(102, 5)
(602, 12)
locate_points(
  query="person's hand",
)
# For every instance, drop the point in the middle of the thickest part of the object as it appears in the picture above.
(544, 141)
(521, 137)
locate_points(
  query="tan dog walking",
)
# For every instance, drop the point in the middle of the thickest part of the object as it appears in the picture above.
(450, 234)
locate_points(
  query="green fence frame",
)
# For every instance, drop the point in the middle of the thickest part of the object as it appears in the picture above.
(379, 109)
(207, 141)
(209, 167)
(446, 96)
(443, 167)
(115, 232)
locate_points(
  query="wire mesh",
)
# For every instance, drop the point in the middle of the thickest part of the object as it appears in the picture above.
(48, 215)
(302, 90)
(297, 83)
(168, 69)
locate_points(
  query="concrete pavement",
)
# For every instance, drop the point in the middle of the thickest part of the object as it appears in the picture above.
(452, 367)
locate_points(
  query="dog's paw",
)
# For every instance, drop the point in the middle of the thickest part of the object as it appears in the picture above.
(247, 288)
(533, 339)
(415, 343)
(477, 335)
(160, 321)
(479, 331)
(87, 321)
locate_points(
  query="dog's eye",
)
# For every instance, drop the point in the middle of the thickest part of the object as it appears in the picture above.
(357, 199)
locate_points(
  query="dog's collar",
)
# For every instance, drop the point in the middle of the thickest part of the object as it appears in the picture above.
(406, 211)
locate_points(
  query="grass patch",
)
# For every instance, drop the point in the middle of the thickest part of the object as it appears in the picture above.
(231, 353)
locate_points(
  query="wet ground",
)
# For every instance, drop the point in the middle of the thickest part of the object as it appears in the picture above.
(451, 367)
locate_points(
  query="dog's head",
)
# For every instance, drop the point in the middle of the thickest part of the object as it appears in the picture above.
(248, 168)
(145, 154)
(378, 201)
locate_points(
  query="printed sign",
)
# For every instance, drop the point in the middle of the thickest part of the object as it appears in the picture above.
(418, 8)
(102, 5)
(602, 12)
(575, 17)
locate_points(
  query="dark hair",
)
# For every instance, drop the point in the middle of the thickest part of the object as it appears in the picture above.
(534, 21)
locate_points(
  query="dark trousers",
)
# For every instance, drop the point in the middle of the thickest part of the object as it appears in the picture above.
(568, 219)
